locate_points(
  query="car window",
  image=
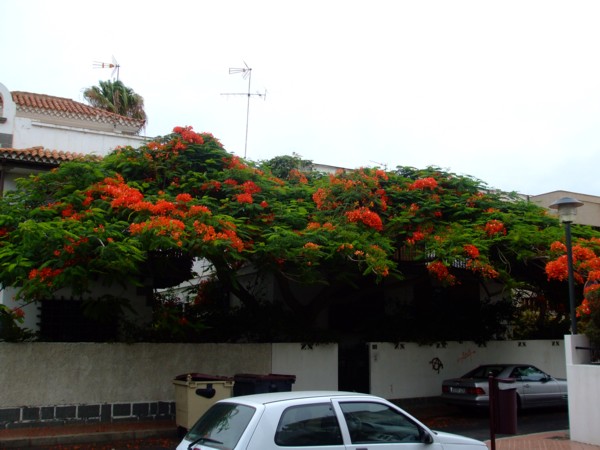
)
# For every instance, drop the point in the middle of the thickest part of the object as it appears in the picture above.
(528, 373)
(484, 372)
(370, 422)
(308, 425)
(223, 424)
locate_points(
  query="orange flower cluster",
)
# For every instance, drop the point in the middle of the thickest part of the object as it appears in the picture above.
(44, 275)
(381, 174)
(199, 209)
(209, 234)
(383, 198)
(295, 174)
(187, 134)
(423, 183)
(344, 247)
(416, 236)
(184, 198)
(163, 225)
(322, 199)
(244, 198)
(486, 270)
(585, 309)
(558, 247)
(311, 246)
(116, 189)
(319, 197)
(583, 254)
(557, 269)
(494, 227)
(212, 185)
(250, 187)
(471, 251)
(234, 163)
(366, 216)
(316, 226)
(70, 248)
(439, 270)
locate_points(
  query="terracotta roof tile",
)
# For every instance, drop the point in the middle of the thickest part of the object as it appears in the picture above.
(41, 155)
(47, 104)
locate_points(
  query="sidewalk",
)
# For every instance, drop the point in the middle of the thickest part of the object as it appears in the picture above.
(556, 440)
(69, 436)
(65, 436)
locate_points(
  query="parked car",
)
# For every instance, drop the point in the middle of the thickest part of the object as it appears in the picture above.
(534, 388)
(315, 420)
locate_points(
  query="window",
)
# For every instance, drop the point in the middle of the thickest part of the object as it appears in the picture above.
(371, 423)
(222, 425)
(484, 372)
(308, 425)
(528, 373)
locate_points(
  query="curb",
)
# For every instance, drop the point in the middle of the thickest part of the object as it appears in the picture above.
(85, 438)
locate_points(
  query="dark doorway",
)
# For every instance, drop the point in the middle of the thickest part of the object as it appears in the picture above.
(353, 367)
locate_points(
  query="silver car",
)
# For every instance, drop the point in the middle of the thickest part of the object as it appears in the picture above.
(534, 388)
(315, 420)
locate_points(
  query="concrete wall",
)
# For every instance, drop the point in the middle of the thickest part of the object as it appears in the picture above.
(105, 382)
(61, 382)
(584, 391)
(403, 371)
(315, 366)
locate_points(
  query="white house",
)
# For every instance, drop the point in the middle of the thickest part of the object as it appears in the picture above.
(29, 120)
(32, 126)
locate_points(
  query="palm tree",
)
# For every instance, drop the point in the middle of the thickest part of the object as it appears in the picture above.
(115, 97)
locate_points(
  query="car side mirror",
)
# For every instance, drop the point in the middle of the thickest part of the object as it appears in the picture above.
(425, 437)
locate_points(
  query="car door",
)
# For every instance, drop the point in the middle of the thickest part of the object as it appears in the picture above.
(535, 387)
(370, 425)
(309, 425)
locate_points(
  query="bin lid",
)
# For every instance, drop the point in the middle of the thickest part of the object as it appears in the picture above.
(265, 377)
(201, 377)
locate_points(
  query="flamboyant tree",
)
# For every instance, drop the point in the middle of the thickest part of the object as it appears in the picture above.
(586, 273)
(182, 196)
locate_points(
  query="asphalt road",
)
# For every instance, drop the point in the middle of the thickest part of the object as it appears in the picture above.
(475, 424)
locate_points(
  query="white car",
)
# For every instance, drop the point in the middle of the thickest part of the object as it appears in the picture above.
(315, 420)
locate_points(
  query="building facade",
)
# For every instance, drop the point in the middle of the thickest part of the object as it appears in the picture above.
(37, 133)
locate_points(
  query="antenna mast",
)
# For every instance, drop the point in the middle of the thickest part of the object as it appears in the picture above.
(114, 65)
(247, 73)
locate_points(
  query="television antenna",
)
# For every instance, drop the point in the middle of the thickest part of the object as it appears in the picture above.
(247, 73)
(380, 164)
(114, 65)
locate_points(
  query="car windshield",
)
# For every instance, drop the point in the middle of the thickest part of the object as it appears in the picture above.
(222, 425)
(484, 371)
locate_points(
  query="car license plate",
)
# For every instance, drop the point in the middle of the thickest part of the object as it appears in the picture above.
(457, 390)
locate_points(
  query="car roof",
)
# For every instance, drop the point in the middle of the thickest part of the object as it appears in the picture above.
(272, 397)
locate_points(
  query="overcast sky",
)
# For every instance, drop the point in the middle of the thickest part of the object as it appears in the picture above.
(505, 91)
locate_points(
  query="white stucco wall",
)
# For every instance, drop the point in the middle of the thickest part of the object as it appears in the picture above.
(40, 373)
(315, 366)
(409, 370)
(584, 391)
(31, 133)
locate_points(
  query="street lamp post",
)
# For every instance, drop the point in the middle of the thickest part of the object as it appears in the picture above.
(567, 209)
